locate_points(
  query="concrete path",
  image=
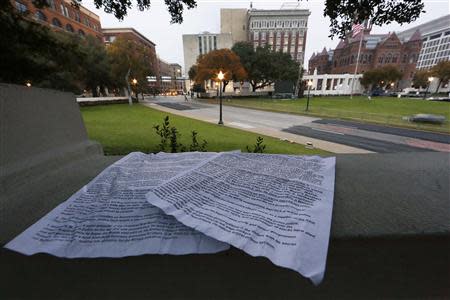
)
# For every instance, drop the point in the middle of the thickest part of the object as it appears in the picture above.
(261, 122)
(331, 135)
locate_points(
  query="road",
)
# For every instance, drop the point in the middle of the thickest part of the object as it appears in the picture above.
(331, 135)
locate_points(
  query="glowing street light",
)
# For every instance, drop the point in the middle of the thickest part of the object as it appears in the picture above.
(134, 81)
(28, 84)
(220, 76)
(309, 84)
(430, 79)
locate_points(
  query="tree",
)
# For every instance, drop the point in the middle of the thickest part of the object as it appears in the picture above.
(192, 72)
(442, 72)
(420, 79)
(225, 60)
(96, 67)
(130, 60)
(265, 66)
(381, 77)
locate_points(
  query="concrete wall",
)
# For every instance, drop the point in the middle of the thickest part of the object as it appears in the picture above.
(234, 21)
(39, 127)
(340, 84)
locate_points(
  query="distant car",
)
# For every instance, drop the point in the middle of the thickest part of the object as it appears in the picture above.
(377, 92)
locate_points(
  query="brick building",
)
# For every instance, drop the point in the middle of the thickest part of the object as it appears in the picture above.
(321, 61)
(377, 50)
(60, 15)
(110, 35)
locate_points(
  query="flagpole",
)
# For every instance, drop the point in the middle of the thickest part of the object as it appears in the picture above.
(357, 62)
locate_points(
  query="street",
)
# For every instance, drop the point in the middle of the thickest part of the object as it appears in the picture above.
(336, 136)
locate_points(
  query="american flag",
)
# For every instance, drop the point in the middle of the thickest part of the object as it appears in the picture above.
(356, 28)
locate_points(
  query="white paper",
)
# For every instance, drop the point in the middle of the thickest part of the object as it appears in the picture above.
(277, 206)
(110, 216)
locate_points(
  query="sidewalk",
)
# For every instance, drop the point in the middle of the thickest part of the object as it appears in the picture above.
(261, 122)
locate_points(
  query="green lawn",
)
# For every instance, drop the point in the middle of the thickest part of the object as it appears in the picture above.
(383, 110)
(122, 129)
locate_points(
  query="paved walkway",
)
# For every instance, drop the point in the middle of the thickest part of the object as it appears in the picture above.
(333, 137)
(261, 122)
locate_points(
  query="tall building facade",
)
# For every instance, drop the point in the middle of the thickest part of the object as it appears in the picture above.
(203, 43)
(60, 15)
(435, 41)
(283, 30)
(235, 22)
(377, 50)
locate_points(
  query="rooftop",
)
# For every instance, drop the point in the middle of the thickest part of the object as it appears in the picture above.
(127, 30)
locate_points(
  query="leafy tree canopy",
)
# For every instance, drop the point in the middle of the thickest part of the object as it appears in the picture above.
(128, 57)
(265, 66)
(225, 60)
(442, 72)
(420, 79)
(381, 77)
(49, 59)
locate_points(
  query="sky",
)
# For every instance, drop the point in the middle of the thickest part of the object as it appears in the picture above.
(155, 23)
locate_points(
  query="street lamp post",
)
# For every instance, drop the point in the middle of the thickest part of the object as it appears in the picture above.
(134, 82)
(220, 76)
(430, 79)
(310, 83)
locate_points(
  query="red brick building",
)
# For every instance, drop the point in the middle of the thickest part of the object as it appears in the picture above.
(60, 15)
(321, 61)
(377, 50)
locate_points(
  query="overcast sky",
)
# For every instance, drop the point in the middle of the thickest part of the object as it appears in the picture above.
(155, 23)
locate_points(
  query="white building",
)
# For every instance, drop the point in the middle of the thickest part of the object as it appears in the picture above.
(435, 41)
(334, 84)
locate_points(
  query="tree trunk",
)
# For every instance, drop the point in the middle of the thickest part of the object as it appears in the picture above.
(438, 86)
(94, 91)
(224, 85)
(253, 86)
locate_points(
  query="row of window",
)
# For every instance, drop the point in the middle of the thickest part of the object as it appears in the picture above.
(435, 54)
(431, 62)
(278, 24)
(40, 16)
(349, 60)
(207, 43)
(435, 42)
(278, 33)
(73, 14)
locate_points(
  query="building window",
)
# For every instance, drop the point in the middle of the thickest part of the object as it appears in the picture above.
(51, 4)
(56, 22)
(22, 8)
(69, 28)
(40, 16)
(215, 42)
(210, 45)
(80, 32)
(200, 45)
(77, 17)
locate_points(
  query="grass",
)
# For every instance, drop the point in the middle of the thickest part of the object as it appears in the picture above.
(381, 110)
(122, 129)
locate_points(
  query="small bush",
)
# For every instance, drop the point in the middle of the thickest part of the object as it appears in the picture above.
(169, 137)
(259, 147)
